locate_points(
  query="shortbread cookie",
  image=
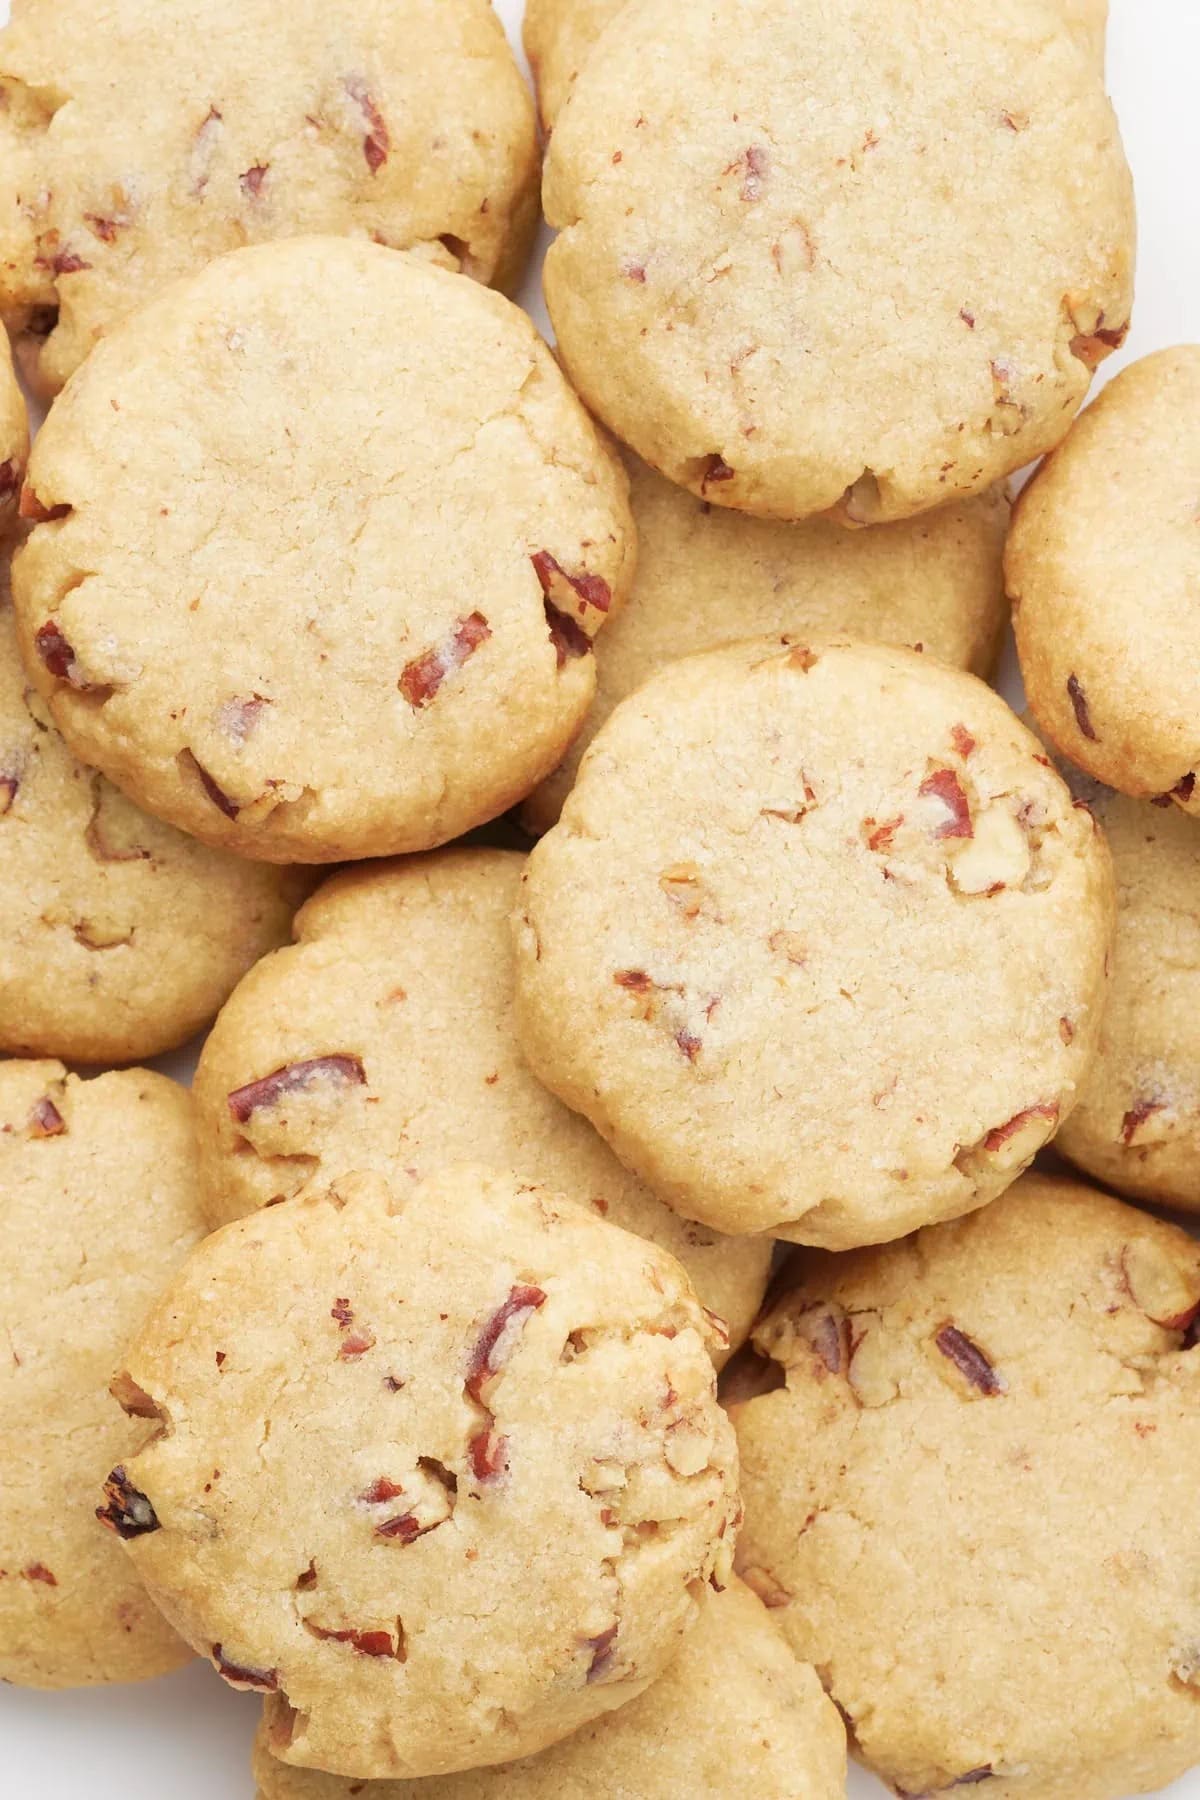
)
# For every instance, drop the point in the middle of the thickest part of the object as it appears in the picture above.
(98, 1208)
(14, 437)
(818, 943)
(138, 151)
(442, 1472)
(972, 1505)
(706, 576)
(119, 936)
(384, 1040)
(735, 1713)
(312, 632)
(841, 270)
(1104, 570)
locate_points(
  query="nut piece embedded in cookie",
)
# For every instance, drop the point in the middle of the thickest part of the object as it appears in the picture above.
(486, 1406)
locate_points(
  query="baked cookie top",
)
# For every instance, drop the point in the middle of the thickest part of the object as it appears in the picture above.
(818, 943)
(137, 153)
(972, 1503)
(485, 1407)
(734, 1713)
(311, 632)
(706, 576)
(384, 1040)
(839, 271)
(99, 1210)
(1103, 567)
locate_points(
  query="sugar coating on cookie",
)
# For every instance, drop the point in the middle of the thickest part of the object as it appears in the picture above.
(14, 436)
(1103, 565)
(99, 1210)
(706, 576)
(818, 943)
(441, 1472)
(137, 154)
(384, 1040)
(119, 936)
(1137, 1124)
(307, 632)
(839, 270)
(734, 1713)
(971, 1503)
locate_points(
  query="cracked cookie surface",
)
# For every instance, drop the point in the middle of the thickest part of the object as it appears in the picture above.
(1103, 565)
(707, 576)
(971, 1505)
(717, 287)
(735, 1712)
(100, 1207)
(312, 633)
(507, 1478)
(138, 154)
(384, 1040)
(818, 943)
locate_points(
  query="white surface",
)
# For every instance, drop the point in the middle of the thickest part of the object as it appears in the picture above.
(187, 1737)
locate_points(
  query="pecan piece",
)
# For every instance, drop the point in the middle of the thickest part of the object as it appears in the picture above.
(1136, 1117)
(969, 1360)
(251, 181)
(377, 141)
(423, 676)
(603, 1648)
(30, 507)
(569, 638)
(1083, 717)
(1000, 1135)
(715, 469)
(45, 1120)
(38, 1571)
(498, 1339)
(592, 590)
(128, 1512)
(944, 785)
(337, 1070)
(59, 657)
(241, 1675)
(488, 1452)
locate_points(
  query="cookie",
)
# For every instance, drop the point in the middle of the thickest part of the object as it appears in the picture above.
(138, 154)
(384, 1040)
(119, 936)
(1137, 1125)
(818, 943)
(99, 1210)
(722, 217)
(507, 1477)
(14, 437)
(310, 633)
(1103, 566)
(971, 1503)
(706, 576)
(735, 1712)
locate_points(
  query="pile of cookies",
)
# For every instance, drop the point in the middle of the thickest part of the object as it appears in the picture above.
(593, 1330)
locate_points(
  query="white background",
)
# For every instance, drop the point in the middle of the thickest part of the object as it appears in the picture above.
(187, 1736)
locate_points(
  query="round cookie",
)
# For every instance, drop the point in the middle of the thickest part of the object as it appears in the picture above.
(313, 633)
(818, 943)
(734, 1713)
(972, 1502)
(1103, 565)
(706, 576)
(119, 936)
(384, 1040)
(99, 1209)
(1137, 1125)
(14, 437)
(507, 1477)
(723, 218)
(139, 153)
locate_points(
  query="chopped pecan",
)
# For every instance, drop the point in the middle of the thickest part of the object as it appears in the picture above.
(498, 1338)
(962, 740)
(251, 181)
(1136, 1117)
(603, 1648)
(969, 1360)
(1083, 717)
(569, 638)
(337, 1070)
(488, 1452)
(424, 675)
(128, 1512)
(59, 656)
(716, 469)
(45, 1120)
(37, 1571)
(592, 590)
(945, 786)
(380, 1490)
(241, 1675)
(367, 1643)
(30, 507)
(377, 141)
(1000, 1134)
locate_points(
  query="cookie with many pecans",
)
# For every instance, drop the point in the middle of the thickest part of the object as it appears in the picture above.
(136, 154)
(384, 1039)
(840, 270)
(969, 1483)
(1103, 565)
(100, 1207)
(818, 943)
(304, 632)
(442, 1472)
(734, 1713)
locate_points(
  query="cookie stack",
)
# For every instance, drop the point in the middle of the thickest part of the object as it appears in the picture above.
(382, 1369)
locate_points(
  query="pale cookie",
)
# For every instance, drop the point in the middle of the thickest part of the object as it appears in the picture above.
(735, 1713)
(818, 944)
(384, 1040)
(312, 632)
(842, 269)
(1103, 566)
(99, 1208)
(14, 437)
(138, 151)
(972, 1504)
(706, 576)
(441, 1471)
(119, 936)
